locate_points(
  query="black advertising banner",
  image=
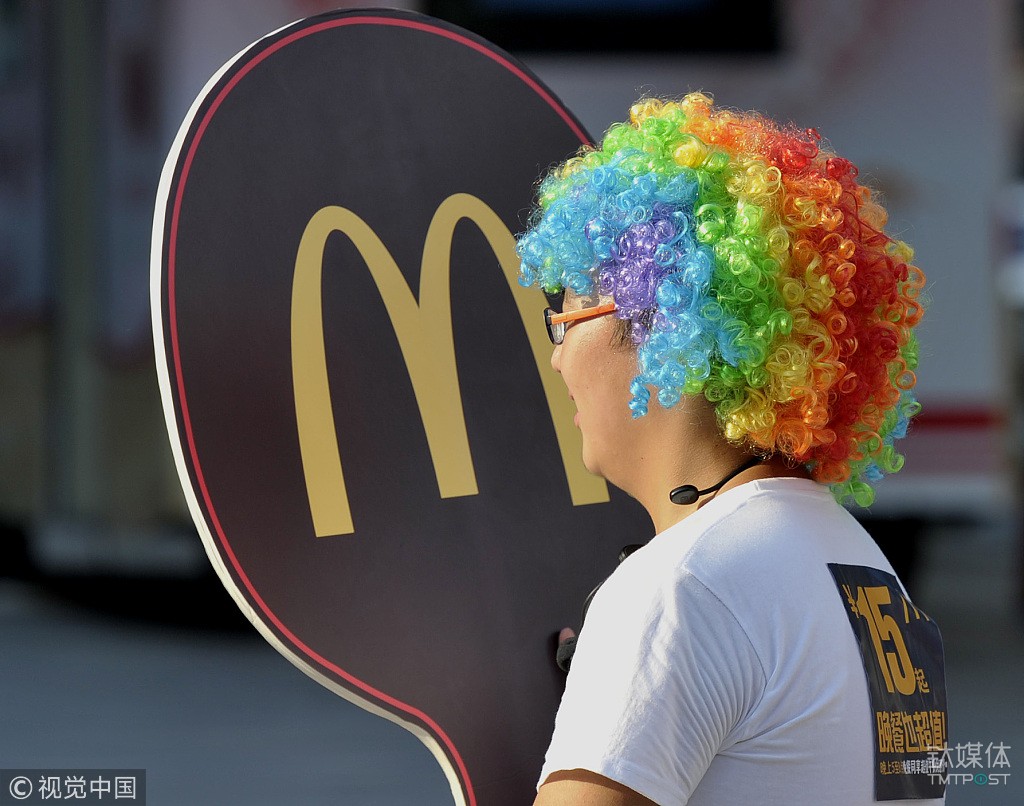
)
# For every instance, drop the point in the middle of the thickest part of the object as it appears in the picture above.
(379, 459)
(902, 653)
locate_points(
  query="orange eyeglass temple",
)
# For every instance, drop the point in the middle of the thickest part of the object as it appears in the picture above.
(582, 313)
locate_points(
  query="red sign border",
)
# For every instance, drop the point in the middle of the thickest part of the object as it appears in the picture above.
(254, 59)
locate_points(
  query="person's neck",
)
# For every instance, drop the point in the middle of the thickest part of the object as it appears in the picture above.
(699, 456)
(665, 514)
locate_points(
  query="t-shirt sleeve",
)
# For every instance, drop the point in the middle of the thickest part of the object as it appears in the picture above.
(662, 675)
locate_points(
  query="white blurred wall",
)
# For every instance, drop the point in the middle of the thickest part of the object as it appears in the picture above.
(911, 91)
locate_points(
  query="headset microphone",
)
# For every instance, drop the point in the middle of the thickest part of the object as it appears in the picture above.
(688, 494)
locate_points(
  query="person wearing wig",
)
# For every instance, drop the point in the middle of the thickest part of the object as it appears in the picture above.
(731, 309)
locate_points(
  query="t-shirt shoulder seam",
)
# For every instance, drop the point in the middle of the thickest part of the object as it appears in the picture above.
(760, 662)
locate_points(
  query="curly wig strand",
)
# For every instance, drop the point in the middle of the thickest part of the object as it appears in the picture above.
(752, 268)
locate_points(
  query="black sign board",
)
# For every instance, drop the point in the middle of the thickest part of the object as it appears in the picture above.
(902, 653)
(376, 452)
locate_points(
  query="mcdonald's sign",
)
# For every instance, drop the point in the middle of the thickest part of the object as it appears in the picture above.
(358, 392)
(424, 331)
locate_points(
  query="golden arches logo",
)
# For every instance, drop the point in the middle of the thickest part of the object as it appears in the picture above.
(424, 332)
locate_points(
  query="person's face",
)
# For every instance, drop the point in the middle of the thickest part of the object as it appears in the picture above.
(597, 370)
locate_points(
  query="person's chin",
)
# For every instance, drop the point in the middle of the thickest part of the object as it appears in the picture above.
(590, 461)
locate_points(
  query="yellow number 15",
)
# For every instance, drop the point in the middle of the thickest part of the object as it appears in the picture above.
(896, 666)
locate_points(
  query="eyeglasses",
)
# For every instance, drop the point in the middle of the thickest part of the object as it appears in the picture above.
(558, 323)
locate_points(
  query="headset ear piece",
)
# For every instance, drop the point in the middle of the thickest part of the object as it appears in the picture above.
(685, 495)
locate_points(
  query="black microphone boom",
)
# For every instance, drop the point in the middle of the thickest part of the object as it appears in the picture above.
(688, 494)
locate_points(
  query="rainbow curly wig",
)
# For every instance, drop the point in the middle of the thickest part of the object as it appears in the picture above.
(752, 268)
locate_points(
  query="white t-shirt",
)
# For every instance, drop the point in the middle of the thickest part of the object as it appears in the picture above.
(718, 665)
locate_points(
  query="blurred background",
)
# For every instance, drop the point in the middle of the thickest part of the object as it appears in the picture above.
(119, 648)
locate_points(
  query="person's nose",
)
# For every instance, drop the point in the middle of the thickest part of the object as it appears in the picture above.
(556, 359)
